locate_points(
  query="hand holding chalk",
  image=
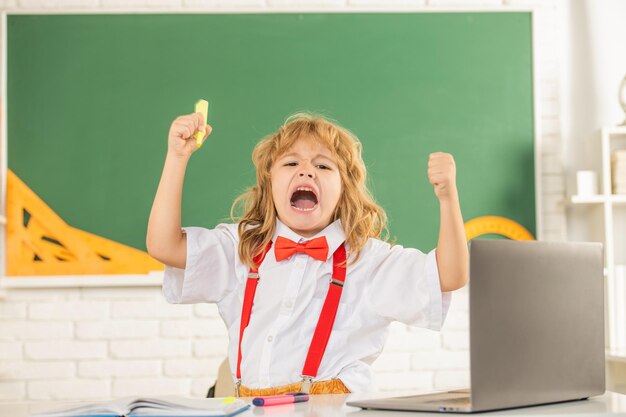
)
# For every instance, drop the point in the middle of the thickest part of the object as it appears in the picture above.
(188, 132)
(202, 107)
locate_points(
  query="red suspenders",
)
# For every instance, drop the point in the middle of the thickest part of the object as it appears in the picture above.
(326, 320)
(248, 299)
(324, 323)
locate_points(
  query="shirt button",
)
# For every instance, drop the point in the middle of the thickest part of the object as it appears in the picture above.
(288, 304)
(270, 338)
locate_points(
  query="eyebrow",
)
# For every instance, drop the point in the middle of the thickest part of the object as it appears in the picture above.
(319, 155)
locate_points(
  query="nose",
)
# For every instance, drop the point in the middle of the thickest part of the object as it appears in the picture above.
(306, 171)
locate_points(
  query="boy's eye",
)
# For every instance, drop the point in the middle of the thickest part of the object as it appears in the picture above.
(323, 167)
(291, 164)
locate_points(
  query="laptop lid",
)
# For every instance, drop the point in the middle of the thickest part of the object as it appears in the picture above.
(536, 322)
(536, 328)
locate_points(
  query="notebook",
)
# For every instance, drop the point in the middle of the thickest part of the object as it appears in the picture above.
(536, 329)
(172, 406)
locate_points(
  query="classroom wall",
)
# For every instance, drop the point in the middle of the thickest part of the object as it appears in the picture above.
(594, 65)
(79, 343)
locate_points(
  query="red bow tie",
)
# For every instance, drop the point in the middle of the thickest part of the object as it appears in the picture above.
(316, 248)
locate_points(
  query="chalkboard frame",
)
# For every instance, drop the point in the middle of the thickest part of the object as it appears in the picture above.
(155, 279)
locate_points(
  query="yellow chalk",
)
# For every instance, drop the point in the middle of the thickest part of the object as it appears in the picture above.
(229, 400)
(202, 106)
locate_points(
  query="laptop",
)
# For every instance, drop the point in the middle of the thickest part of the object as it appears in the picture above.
(536, 329)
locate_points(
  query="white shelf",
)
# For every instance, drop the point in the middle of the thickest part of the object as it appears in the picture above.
(610, 218)
(587, 199)
(598, 199)
(616, 130)
(616, 355)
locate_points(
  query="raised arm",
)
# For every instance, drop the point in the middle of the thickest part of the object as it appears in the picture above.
(452, 253)
(165, 241)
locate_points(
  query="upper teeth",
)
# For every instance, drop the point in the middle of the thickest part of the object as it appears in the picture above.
(304, 189)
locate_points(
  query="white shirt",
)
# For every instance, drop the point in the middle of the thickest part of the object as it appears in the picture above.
(386, 284)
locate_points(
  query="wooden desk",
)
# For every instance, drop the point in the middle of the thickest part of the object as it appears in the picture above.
(334, 406)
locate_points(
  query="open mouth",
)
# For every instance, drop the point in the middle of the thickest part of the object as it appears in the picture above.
(304, 199)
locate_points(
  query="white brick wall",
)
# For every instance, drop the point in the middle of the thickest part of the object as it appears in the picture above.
(73, 388)
(100, 342)
(109, 368)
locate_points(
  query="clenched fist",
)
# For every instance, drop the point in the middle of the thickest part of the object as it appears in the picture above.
(442, 174)
(180, 141)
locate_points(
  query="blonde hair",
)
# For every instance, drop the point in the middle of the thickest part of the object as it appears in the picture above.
(360, 215)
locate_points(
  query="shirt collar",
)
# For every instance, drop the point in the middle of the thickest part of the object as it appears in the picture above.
(334, 233)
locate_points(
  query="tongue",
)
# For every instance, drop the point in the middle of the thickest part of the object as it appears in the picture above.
(302, 202)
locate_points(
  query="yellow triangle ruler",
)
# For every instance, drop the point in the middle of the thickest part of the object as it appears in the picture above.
(39, 242)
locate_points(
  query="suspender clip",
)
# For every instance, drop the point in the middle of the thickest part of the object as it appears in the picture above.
(336, 282)
(306, 384)
(237, 386)
(253, 275)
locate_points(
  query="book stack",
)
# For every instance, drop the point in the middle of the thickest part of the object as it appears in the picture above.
(618, 171)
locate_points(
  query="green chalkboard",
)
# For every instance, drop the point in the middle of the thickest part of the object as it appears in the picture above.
(91, 97)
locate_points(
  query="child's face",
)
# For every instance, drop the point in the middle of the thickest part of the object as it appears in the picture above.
(306, 186)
